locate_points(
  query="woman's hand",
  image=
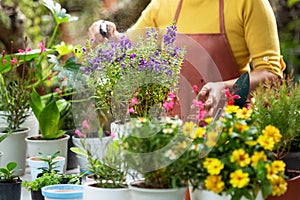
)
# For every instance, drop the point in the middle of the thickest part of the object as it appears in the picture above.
(213, 96)
(102, 30)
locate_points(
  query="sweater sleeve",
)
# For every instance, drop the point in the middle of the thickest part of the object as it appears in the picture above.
(262, 37)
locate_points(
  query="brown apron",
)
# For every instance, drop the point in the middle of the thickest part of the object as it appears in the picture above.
(208, 59)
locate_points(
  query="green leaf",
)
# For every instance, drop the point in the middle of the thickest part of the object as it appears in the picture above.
(36, 103)
(290, 3)
(266, 189)
(49, 120)
(78, 151)
(11, 166)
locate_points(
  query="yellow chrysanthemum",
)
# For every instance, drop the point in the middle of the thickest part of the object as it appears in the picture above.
(211, 139)
(208, 120)
(240, 157)
(272, 132)
(239, 179)
(214, 167)
(244, 113)
(188, 129)
(258, 156)
(214, 183)
(278, 166)
(279, 186)
(266, 142)
(231, 109)
(241, 127)
(199, 133)
(207, 162)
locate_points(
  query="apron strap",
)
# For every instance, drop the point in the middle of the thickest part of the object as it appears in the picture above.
(221, 14)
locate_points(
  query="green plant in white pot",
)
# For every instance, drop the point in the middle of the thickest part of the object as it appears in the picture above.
(50, 111)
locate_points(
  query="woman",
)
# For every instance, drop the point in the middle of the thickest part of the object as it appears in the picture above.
(222, 38)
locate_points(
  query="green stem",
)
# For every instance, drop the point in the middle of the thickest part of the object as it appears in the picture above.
(53, 35)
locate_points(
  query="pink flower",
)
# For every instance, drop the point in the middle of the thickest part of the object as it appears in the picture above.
(85, 125)
(29, 49)
(13, 61)
(58, 90)
(196, 89)
(134, 101)
(4, 61)
(21, 51)
(171, 95)
(130, 110)
(168, 105)
(230, 96)
(42, 46)
(112, 135)
(78, 133)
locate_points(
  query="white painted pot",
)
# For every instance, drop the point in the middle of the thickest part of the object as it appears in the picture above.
(14, 149)
(94, 193)
(35, 164)
(96, 146)
(157, 194)
(48, 147)
(63, 192)
(199, 194)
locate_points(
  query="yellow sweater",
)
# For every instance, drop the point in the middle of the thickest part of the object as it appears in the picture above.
(250, 27)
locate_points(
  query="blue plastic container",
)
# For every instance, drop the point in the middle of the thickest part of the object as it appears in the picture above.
(63, 191)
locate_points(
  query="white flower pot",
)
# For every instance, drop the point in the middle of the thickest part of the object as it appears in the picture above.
(199, 194)
(95, 193)
(63, 192)
(35, 164)
(157, 194)
(48, 147)
(96, 146)
(14, 149)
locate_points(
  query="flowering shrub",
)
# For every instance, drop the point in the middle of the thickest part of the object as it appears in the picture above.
(130, 77)
(156, 150)
(237, 159)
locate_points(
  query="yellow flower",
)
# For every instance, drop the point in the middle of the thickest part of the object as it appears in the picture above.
(266, 142)
(207, 162)
(214, 183)
(231, 109)
(188, 128)
(199, 133)
(240, 157)
(272, 132)
(258, 156)
(241, 127)
(211, 139)
(239, 179)
(278, 166)
(244, 113)
(208, 120)
(214, 167)
(142, 119)
(251, 143)
(279, 186)
(272, 174)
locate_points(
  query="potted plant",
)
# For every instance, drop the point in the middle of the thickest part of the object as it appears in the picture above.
(10, 184)
(50, 111)
(130, 76)
(236, 158)
(277, 103)
(45, 163)
(49, 178)
(156, 150)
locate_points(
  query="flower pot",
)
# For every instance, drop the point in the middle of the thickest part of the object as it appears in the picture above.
(14, 150)
(157, 194)
(72, 161)
(92, 192)
(292, 160)
(63, 191)
(292, 192)
(35, 164)
(199, 194)
(10, 191)
(37, 195)
(96, 146)
(47, 147)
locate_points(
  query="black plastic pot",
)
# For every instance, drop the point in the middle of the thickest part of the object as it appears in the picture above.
(37, 195)
(10, 191)
(71, 161)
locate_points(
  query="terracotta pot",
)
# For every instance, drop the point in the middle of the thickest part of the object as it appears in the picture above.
(292, 192)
